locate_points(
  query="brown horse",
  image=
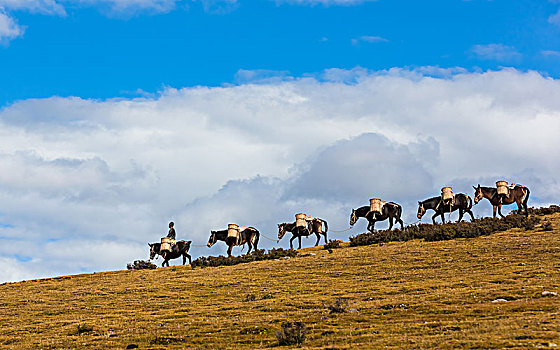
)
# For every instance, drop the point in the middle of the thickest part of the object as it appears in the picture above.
(519, 194)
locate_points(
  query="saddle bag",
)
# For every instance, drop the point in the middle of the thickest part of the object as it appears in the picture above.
(165, 244)
(300, 220)
(502, 187)
(447, 194)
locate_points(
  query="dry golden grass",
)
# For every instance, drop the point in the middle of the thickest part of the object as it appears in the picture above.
(400, 295)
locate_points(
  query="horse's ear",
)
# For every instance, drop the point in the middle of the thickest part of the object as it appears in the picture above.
(419, 203)
(474, 187)
(150, 244)
(478, 185)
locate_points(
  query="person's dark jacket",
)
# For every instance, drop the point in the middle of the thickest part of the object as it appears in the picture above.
(171, 233)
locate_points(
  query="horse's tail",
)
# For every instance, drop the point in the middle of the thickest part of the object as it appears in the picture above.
(526, 199)
(326, 225)
(469, 201)
(255, 238)
(399, 210)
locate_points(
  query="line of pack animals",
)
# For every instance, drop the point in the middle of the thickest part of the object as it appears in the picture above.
(378, 210)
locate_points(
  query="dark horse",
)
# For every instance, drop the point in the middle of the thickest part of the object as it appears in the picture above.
(250, 235)
(461, 201)
(313, 226)
(389, 211)
(180, 248)
(518, 194)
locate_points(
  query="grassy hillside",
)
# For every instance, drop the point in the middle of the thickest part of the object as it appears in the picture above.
(413, 294)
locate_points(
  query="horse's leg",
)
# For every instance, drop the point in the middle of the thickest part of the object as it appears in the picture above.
(229, 250)
(291, 240)
(299, 240)
(494, 208)
(471, 214)
(500, 210)
(184, 259)
(434, 217)
(318, 238)
(325, 237)
(460, 214)
(390, 222)
(188, 256)
(250, 246)
(519, 207)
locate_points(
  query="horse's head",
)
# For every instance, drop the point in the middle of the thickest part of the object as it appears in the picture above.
(212, 240)
(478, 194)
(281, 230)
(153, 250)
(353, 217)
(421, 210)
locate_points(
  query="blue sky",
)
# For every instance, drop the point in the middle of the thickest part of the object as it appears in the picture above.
(94, 50)
(118, 116)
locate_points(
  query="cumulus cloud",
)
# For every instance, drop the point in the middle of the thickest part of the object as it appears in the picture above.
(496, 52)
(9, 29)
(98, 179)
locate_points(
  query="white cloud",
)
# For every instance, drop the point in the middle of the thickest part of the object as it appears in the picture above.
(368, 39)
(323, 2)
(555, 19)
(550, 53)
(125, 7)
(9, 29)
(80, 174)
(34, 6)
(497, 52)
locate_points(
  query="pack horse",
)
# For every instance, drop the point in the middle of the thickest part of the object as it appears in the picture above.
(304, 226)
(235, 235)
(504, 194)
(180, 248)
(378, 210)
(446, 203)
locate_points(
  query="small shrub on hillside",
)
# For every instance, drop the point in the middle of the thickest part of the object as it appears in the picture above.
(140, 264)
(292, 333)
(256, 255)
(333, 244)
(340, 305)
(84, 328)
(545, 211)
(250, 297)
(546, 226)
